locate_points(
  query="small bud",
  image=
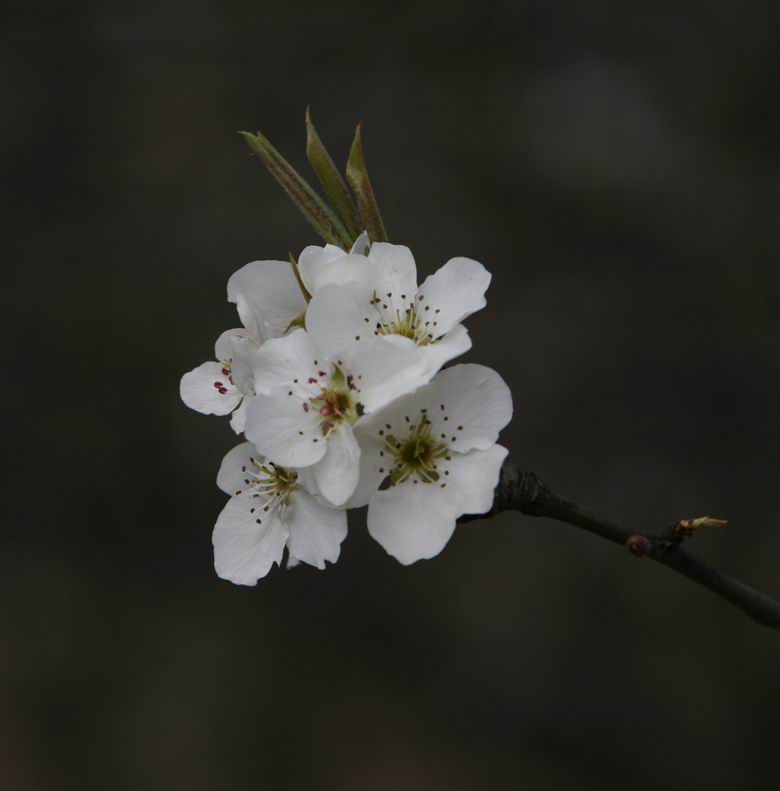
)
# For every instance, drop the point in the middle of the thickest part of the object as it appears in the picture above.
(638, 545)
(689, 525)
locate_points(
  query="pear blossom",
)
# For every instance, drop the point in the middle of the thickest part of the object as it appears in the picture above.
(269, 302)
(435, 450)
(307, 402)
(269, 298)
(386, 301)
(266, 294)
(270, 508)
(225, 386)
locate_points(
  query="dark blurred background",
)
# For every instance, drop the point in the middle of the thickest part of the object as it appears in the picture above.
(617, 167)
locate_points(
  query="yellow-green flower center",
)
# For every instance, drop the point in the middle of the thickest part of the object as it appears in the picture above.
(273, 482)
(413, 320)
(416, 455)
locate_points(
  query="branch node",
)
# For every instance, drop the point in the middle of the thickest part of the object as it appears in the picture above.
(638, 545)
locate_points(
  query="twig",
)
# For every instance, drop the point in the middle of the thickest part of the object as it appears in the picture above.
(525, 492)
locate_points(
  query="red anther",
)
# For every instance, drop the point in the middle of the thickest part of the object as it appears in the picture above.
(329, 424)
(226, 371)
(325, 409)
(312, 380)
(322, 373)
(305, 407)
(218, 385)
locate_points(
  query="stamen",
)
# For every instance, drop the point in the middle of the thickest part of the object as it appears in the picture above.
(334, 402)
(417, 454)
(271, 484)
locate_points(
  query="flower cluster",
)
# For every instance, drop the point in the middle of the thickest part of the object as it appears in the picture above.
(336, 380)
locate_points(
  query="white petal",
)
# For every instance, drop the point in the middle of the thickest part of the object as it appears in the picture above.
(246, 545)
(473, 477)
(467, 406)
(238, 418)
(223, 349)
(313, 258)
(278, 425)
(320, 266)
(412, 521)
(243, 352)
(336, 474)
(396, 273)
(316, 530)
(282, 361)
(374, 466)
(452, 345)
(198, 390)
(347, 269)
(337, 315)
(384, 369)
(361, 245)
(271, 289)
(250, 317)
(306, 480)
(232, 475)
(457, 290)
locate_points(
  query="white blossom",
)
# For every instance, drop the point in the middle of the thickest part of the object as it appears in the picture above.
(386, 301)
(224, 386)
(270, 508)
(269, 298)
(336, 399)
(436, 452)
(307, 402)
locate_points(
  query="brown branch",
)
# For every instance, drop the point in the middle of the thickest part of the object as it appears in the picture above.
(525, 492)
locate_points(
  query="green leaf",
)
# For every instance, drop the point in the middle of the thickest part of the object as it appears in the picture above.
(314, 209)
(335, 187)
(357, 176)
